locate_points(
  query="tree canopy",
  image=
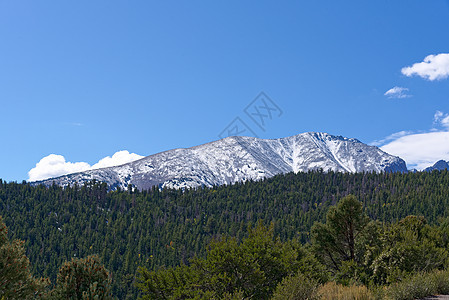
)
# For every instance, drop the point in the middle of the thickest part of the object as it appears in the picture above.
(164, 228)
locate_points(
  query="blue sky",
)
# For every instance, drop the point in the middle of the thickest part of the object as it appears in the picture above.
(85, 79)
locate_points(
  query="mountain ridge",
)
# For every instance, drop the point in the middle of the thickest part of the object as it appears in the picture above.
(439, 165)
(238, 158)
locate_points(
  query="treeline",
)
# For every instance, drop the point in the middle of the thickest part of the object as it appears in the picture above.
(157, 228)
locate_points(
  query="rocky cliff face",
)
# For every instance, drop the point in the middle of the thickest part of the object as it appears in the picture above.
(234, 159)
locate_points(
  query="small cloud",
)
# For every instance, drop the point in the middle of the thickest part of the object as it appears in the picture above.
(119, 158)
(441, 119)
(55, 165)
(77, 124)
(397, 92)
(437, 116)
(391, 137)
(434, 67)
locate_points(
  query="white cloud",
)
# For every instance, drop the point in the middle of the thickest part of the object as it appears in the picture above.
(391, 137)
(420, 150)
(441, 119)
(55, 165)
(397, 92)
(434, 67)
(438, 114)
(119, 158)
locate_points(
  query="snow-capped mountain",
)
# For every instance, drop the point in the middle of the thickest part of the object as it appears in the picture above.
(236, 158)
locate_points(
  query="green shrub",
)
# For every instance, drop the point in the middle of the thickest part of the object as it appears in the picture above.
(296, 287)
(441, 281)
(418, 286)
(334, 291)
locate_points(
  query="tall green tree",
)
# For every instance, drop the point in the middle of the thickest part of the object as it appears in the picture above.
(16, 280)
(336, 241)
(84, 278)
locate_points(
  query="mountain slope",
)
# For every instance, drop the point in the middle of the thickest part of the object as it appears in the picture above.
(439, 165)
(234, 159)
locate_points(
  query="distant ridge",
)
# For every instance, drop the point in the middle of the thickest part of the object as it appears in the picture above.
(235, 159)
(439, 165)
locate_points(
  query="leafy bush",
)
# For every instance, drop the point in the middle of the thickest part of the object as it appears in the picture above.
(334, 291)
(296, 287)
(441, 281)
(254, 267)
(418, 286)
(409, 246)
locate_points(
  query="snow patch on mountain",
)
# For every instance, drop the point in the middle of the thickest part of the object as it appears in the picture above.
(237, 159)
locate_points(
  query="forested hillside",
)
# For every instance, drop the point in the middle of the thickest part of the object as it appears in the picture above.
(157, 228)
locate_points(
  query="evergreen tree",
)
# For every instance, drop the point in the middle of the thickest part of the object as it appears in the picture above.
(16, 280)
(82, 279)
(335, 241)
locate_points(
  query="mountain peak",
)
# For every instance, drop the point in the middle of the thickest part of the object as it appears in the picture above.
(238, 158)
(439, 165)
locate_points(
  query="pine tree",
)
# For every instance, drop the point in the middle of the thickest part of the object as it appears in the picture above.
(16, 280)
(83, 278)
(336, 241)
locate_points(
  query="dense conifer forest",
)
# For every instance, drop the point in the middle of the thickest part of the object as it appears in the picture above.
(164, 228)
